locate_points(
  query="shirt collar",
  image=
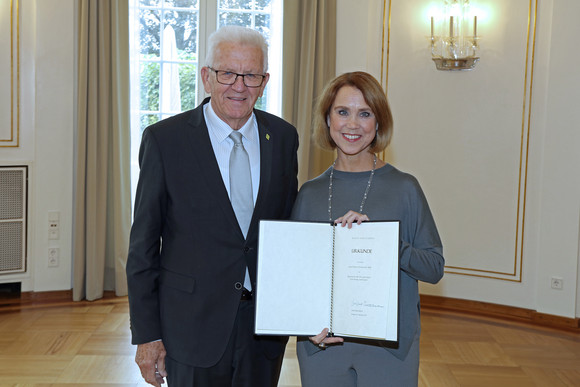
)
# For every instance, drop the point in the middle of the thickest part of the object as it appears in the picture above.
(222, 130)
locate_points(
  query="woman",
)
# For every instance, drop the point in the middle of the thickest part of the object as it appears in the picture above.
(353, 117)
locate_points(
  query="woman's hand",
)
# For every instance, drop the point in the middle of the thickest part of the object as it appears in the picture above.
(322, 339)
(351, 217)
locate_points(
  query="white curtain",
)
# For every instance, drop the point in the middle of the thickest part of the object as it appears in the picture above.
(309, 63)
(102, 218)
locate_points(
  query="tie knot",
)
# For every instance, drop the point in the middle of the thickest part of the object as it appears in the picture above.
(237, 137)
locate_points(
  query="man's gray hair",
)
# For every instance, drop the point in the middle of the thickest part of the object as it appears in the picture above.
(238, 35)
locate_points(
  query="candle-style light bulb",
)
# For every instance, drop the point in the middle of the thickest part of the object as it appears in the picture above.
(450, 26)
(475, 26)
(432, 28)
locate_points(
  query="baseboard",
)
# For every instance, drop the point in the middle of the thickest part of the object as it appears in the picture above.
(35, 300)
(28, 300)
(500, 311)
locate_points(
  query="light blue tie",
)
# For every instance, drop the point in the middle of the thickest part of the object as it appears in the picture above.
(241, 188)
(241, 183)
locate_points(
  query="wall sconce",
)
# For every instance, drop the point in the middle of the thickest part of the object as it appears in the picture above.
(454, 40)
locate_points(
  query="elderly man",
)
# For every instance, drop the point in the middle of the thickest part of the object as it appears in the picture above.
(207, 177)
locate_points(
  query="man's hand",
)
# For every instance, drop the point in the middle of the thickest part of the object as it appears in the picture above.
(150, 358)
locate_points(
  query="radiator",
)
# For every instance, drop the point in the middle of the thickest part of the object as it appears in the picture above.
(13, 214)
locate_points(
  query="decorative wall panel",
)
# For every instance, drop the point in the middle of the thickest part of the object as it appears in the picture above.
(9, 73)
(465, 134)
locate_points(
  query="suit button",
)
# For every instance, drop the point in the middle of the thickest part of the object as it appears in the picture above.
(246, 249)
(238, 285)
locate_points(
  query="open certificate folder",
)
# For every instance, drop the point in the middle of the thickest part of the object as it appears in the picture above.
(316, 275)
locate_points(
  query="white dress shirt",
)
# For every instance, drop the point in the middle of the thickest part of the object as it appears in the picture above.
(222, 144)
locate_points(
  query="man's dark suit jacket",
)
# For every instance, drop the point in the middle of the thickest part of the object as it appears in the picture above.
(187, 254)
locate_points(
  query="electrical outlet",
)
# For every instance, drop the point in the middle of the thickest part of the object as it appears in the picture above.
(557, 283)
(53, 231)
(53, 256)
(53, 225)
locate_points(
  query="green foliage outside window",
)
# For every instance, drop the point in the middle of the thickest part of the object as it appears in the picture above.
(187, 79)
(182, 16)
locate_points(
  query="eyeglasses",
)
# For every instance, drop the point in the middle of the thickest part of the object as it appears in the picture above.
(229, 78)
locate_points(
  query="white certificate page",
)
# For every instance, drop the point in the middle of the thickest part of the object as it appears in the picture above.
(293, 280)
(300, 291)
(366, 280)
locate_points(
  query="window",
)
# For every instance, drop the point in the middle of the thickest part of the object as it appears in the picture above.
(168, 39)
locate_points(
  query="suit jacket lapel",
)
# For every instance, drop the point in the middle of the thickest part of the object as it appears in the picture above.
(207, 166)
(266, 146)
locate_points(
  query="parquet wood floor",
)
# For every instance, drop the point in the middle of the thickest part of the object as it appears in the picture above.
(88, 344)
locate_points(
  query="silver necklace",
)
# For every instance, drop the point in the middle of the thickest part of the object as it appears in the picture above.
(364, 199)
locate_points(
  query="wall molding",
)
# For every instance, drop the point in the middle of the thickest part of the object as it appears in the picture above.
(10, 98)
(507, 262)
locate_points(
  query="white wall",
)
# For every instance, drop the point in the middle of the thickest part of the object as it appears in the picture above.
(54, 132)
(460, 133)
(560, 176)
(46, 141)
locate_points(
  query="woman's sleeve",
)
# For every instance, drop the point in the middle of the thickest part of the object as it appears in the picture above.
(421, 248)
